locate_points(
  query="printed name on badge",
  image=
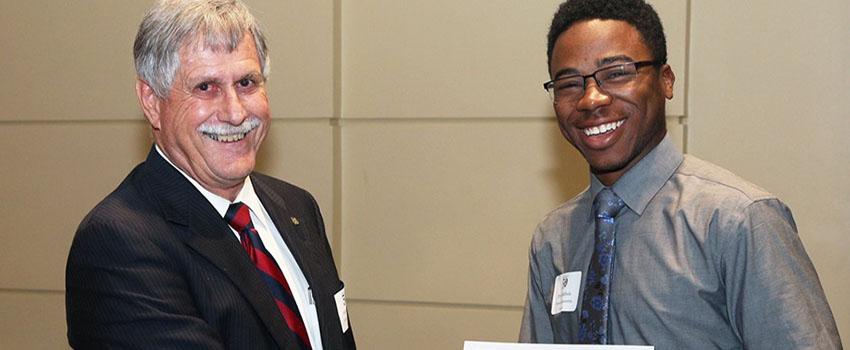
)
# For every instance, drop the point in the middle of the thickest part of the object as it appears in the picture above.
(565, 295)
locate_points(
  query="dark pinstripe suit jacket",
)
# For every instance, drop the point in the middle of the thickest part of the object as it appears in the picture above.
(153, 266)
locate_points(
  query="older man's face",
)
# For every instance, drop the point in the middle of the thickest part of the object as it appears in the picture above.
(215, 116)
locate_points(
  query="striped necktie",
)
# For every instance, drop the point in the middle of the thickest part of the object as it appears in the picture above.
(239, 217)
(593, 325)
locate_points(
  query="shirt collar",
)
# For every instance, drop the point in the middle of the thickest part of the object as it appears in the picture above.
(246, 194)
(640, 184)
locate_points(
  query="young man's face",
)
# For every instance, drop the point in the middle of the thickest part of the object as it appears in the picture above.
(613, 131)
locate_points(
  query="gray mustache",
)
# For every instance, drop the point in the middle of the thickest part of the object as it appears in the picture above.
(225, 129)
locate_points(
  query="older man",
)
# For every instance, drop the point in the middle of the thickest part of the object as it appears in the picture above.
(662, 248)
(194, 250)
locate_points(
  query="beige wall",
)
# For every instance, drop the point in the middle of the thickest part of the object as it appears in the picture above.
(422, 129)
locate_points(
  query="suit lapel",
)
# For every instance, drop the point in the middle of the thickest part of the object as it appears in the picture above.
(282, 216)
(208, 234)
(309, 253)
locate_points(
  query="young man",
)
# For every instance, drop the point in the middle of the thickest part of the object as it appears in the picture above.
(662, 249)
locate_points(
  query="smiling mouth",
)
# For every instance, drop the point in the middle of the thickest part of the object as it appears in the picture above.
(603, 129)
(226, 138)
(228, 133)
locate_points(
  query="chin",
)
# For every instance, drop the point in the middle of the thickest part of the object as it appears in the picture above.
(600, 168)
(236, 171)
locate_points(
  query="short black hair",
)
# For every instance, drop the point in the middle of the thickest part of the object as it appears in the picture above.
(635, 12)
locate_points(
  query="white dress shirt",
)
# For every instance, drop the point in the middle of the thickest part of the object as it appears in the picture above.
(274, 244)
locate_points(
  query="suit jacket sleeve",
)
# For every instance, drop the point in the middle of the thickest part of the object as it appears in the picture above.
(124, 291)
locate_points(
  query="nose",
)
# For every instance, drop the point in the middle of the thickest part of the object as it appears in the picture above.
(233, 109)
(594, 96)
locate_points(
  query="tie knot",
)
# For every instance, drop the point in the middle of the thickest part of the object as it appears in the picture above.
(238, 216)
(607, 204)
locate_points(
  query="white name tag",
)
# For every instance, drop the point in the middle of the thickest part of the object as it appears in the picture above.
(342, 309)
(565, 296)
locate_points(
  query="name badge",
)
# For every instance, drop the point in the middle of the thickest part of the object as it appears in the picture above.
(565, 296)
(342, 309)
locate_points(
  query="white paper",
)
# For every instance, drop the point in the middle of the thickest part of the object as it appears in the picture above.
(480, 345)
(565, 296)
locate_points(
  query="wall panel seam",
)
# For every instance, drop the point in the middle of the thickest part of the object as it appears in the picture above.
(683, 120)
(31, 291)
(435, 304)
(70, 121)
(388, 120)
(131, 121)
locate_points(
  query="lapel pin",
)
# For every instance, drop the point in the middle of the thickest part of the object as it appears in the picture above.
(294, 220)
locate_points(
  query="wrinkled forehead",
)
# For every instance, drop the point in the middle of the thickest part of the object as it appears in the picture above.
(221, 41)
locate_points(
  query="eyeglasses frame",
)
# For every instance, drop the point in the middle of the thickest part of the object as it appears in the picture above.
(638, 65)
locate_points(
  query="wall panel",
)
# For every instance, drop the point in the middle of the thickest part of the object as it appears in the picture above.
(301, 46)
(438, 59)
(53, 174)
(78, 56)
(32, 320)
(444, 211)
(68, 60)
(388, 326)
(444, 58)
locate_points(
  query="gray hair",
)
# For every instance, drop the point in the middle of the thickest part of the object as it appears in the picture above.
(171, 24)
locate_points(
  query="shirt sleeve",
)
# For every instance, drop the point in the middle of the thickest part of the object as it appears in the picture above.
(774, 297)
(536, 325)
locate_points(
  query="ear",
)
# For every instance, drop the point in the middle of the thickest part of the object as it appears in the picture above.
(149, 102)
(667, 80)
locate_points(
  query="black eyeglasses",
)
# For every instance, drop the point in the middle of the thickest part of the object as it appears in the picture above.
(616, 79)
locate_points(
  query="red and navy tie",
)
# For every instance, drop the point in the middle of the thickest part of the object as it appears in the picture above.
(239, 217)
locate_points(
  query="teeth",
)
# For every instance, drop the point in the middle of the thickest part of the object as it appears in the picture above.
(226, 138)
(604, 128)
(229, 133)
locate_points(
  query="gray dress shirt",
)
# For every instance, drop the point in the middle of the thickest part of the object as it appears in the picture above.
(703, 260)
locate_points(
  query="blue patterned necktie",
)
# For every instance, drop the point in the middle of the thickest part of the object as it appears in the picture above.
(593, 326)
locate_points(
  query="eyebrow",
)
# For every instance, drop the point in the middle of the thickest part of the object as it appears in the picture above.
(203, 79)
(608, 60)
(256, 76)
(599, 64)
